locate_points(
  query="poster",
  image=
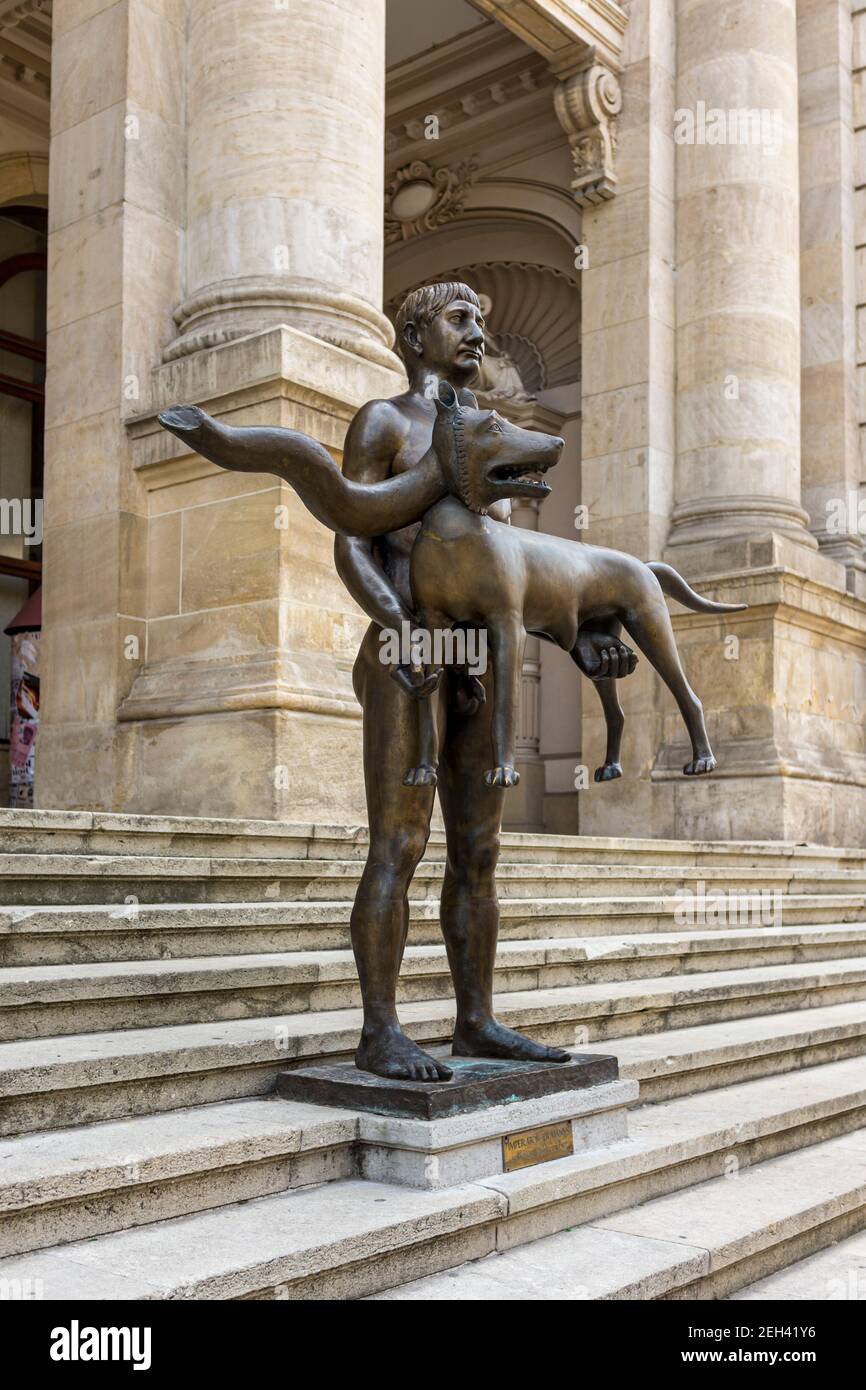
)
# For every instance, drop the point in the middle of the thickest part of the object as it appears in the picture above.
(25, 717)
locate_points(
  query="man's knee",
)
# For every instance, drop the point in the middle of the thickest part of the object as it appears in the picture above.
(401, 850)
(474, 855)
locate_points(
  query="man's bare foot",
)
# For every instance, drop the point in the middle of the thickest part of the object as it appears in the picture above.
(388, 1052)
(492, 1039)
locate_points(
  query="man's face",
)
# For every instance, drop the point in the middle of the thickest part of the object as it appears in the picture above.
(452, 345)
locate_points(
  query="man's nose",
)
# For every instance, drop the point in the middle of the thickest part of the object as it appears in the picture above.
(475, 335)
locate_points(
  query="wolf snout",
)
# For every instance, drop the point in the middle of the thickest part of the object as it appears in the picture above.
(555, 448)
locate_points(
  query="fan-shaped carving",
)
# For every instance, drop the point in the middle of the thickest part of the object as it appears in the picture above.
(535, 316)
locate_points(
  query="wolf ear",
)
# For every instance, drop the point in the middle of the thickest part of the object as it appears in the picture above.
(467, 397)
(446, 400)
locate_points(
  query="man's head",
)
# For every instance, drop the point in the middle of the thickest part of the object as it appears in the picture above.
(440, 330)
(484, 457)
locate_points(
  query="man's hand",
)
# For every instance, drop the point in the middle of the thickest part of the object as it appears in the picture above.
(602, 657)
(417, 680)
(414, 677)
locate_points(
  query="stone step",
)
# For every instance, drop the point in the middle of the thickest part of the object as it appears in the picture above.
(54, 879)
(85, 832)
(838, 1272)
(50, 1000)
(55, 1082)
(701, 1243)
(70, 1185)
(352, 1239)
(689, 1061)
(79, 933)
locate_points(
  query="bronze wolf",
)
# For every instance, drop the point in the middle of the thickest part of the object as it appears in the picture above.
(471, 570)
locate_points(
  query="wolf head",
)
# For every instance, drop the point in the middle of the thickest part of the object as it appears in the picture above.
(484, 457)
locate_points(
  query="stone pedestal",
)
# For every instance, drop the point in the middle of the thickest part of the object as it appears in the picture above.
(784, 685)
(244, 705)
(491, 1117)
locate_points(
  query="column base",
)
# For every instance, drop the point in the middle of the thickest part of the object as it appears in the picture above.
(784, 692)
(270, 764)
(225, 312)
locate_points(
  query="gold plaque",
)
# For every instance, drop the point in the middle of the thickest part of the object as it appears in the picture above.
(537, 1146)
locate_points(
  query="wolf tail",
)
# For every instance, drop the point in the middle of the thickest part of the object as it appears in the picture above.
(676, 587)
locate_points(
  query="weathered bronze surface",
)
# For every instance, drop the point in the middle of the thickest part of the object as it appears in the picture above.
(469, 568)
(474, 1085)
(537, 1146)
(392, 477)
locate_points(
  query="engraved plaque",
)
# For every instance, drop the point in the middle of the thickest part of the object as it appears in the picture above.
(537, 1146)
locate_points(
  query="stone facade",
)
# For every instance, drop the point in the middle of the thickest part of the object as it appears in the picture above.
(663, 201)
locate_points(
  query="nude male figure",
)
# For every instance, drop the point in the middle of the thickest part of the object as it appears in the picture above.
(440, 332)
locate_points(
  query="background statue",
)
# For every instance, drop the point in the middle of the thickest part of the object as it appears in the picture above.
(498, 375)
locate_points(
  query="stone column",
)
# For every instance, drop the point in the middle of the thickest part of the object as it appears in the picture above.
(285, 173)
(831, 461)
(250, 634)
(738, 296)
(760, 329)
(115, 225)
(628, 385)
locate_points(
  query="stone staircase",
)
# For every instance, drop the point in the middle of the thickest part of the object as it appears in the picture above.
(157, 973)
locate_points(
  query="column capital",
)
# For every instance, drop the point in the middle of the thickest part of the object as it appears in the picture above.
(587, 106)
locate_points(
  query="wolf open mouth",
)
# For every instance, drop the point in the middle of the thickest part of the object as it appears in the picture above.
(525, 475)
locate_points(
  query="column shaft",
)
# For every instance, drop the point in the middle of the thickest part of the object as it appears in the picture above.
(738, 295)
(285, 173)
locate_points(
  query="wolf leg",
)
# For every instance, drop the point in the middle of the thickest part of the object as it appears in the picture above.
(651, 628)
(507, 637)
(615, 720)
(424, 773)
(607, 693)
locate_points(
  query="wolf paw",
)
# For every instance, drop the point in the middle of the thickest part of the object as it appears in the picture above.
(423, 776)
(698, 767)
(608, 772)
(502, 777)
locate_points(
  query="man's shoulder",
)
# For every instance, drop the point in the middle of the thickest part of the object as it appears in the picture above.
(376, 435)
(386, 414)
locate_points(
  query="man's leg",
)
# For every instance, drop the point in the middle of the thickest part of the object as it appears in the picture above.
(399, 826)
(470, 911)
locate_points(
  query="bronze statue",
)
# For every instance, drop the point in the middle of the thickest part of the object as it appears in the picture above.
(466, 567)
(391, 477)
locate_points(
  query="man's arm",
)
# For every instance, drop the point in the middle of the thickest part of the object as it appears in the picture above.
(358, 507)
(374, 438)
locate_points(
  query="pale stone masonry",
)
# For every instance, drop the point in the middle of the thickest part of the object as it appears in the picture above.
(687, 309)
(859, 122)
